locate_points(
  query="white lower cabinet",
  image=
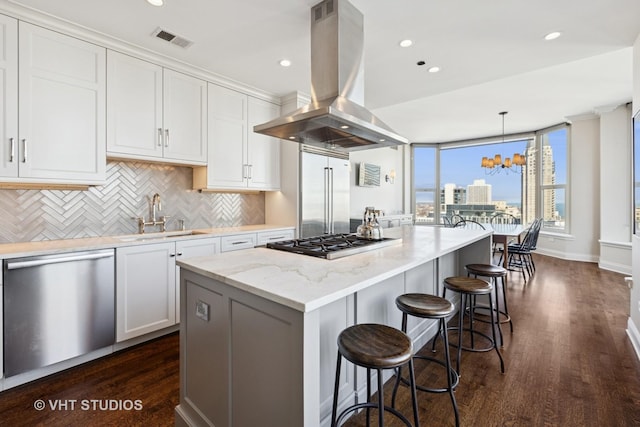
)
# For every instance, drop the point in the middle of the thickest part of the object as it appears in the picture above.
(147, 284)
(265, 237)
(236, 242)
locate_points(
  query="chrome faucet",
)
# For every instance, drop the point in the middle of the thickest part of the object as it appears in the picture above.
(155, 202)
(154, 206)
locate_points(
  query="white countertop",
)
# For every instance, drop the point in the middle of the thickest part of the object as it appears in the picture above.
(20, 249)
(306, 283)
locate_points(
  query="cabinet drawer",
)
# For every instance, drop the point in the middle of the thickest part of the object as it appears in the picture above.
(274, 236)
(238, 241)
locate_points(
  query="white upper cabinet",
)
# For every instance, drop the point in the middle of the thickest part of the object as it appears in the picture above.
(238, 158)
(9, 96)
(134, 106)
(263, 152)
(227, 138)
(61, 107)
(154, 113)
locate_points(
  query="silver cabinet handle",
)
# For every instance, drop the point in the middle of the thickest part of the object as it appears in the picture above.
(241, 242)
(14, 265)
(172, 255)
(244, 171)
(159, 137)
(250, 167)
(24, 150)
(166, 137)
(13, 149)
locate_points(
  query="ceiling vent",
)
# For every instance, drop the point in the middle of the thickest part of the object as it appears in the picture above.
(171, 38)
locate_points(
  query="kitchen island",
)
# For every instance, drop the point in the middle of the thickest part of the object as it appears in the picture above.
(259, 327)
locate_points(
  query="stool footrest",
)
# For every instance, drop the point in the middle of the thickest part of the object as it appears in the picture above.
(484, 318)
(455, 379)
(473, 349)
(373, 405)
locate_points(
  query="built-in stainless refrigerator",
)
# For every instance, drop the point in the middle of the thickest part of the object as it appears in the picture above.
(324, 188)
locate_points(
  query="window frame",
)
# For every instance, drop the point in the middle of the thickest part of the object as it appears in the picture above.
(566, 187)
(536, 137)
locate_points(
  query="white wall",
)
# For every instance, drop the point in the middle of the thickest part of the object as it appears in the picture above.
(387, 197)
(615, 197)
(634, 310)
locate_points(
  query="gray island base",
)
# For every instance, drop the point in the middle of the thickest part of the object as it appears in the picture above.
(258, 327)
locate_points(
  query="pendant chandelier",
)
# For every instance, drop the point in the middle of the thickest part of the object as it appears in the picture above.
(493, 165)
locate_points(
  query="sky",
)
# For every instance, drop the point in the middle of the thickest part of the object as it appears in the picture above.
(461, 166)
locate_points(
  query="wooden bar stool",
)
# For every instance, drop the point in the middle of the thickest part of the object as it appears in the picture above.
(494, 272)
(429, 307)
(469, 287)
(378, 347)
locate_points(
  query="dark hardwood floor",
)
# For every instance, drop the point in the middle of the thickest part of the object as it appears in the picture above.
(568, 363)
(147, 373)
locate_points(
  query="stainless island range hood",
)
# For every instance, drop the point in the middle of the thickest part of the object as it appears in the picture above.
(335, 118)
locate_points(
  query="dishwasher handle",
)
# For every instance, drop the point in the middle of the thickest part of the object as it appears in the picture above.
(14, 265)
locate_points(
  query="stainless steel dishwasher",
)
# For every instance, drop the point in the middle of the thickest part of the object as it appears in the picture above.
(57, 307)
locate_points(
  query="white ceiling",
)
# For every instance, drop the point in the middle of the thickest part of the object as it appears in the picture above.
(492, 54)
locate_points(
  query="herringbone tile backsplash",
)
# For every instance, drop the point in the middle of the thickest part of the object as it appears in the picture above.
(34, 215)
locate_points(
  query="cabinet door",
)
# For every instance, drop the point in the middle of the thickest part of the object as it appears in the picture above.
(265, 237)
(8, 96)
(263, 152)
(145, 289)
(185, 117)
(237, 242)
(190, 248)
(227, 138)
(61, 93)
(134, 106)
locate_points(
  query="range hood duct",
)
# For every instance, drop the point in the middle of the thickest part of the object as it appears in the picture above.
(336, 118)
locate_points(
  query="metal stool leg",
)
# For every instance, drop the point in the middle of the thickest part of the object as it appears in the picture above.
(368, 394)
(497, 299)
(334, 411)
(414, 394)
(463, 302)
(493, 331)
(504, 300)
(380, 401)
(443, 326)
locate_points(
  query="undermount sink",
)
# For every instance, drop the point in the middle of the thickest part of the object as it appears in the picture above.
(155, 236)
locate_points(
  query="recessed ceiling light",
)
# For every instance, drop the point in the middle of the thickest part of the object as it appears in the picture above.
(156, 2)
(285, 63)
(344, 127)
(552, 36)
(406, 43)
(434, 69)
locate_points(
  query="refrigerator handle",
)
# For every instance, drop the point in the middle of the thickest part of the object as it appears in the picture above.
(326, 200)
(331, 224)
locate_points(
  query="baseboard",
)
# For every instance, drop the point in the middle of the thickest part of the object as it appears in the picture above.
(567, 256)
(615, 267)
(634, 336)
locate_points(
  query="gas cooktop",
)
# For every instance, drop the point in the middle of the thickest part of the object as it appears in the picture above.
(332, 246)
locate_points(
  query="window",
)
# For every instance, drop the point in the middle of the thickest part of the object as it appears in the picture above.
(476, 193)
(424, 184)
(553, 158)
(448, 180)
